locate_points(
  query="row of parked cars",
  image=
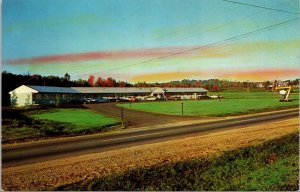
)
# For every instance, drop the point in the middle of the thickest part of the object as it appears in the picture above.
(146, 98)
(118, 99)
(201, 97)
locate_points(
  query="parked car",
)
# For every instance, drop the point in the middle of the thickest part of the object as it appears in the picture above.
(112, 99)
(140, 98)
(150, 98)
(186, 97)
(89, 100)
(95, 100)
(161, 98)
(216, 97)
(101, 100)
(174, 98)
(203, 97)
(124, 99)
(131, 98)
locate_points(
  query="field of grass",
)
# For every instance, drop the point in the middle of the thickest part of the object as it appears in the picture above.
(27, 124)
(271, 166)
(80, 118)
(234, 103)
(253, 94)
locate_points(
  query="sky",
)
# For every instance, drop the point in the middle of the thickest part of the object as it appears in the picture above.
(152, 41)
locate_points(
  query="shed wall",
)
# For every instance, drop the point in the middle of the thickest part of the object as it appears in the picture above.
(23, 99)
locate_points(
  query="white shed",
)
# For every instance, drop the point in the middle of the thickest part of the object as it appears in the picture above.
(22, 96)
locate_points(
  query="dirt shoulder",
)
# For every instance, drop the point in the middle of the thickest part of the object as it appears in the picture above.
(58, 172)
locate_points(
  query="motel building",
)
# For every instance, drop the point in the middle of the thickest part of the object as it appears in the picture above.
(46, 95)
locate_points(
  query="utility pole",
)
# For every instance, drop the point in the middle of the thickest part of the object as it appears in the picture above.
(122, 117)
(181, 108)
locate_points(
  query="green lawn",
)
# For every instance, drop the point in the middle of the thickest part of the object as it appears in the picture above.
(253, 95)
(271, 166)
(234, 103)
(79, 118)
(28, 124)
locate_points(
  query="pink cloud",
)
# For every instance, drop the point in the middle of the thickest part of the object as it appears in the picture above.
(143, 53)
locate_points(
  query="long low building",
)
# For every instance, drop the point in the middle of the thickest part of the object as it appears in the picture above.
(46, 95)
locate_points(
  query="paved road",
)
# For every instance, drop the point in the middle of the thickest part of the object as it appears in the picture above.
(139, 118)
(29, 153)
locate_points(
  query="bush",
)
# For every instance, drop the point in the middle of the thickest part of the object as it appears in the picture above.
(51, 128)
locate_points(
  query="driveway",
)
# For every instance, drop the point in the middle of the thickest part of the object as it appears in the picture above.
(138, 118)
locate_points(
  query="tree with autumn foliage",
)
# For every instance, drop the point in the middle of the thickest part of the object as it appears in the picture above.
(121, 84)
(100, 82)
(197, 84)
(110, 82)
(216, 88)
(91, 80)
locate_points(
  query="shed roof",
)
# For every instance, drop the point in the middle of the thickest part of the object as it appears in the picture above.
(23, 89)
(49, 89)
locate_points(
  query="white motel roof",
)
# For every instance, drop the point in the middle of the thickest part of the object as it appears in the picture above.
(184, 90)
(78, 90)
(137, 90)
(113, 89)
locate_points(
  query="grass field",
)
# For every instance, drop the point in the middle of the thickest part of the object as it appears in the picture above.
(254, 94)
(26, 124)
(80, 118)
(234, 103)
(271, 166)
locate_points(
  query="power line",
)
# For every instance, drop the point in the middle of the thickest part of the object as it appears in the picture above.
(285, 4)
(220, 14)
(211, 44)
(257, 6)
(234, 38)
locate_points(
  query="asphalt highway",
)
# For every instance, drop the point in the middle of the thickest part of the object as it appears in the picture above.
(42, 151)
